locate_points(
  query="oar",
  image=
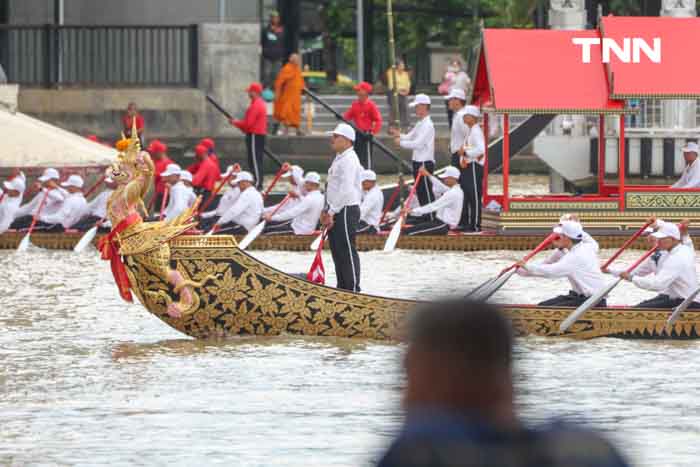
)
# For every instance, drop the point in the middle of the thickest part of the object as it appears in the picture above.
(318, 258)
(594, 299)
(95, 186)
(234, 171)
(395, 233)
(257, 230)
(164, 202)
(682, 307)
(488, 289)
(87, 238)
(278, 175)
(24, 244)
(626, 244)
(391, 202)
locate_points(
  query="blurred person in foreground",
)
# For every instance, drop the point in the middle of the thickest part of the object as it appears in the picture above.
(459, 399)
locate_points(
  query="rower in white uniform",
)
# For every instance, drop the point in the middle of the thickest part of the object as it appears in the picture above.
(447, 207)
(295, 177)
(97, 208)
(54, 200)
(228, 199)
(186, 180)
(372, 204)
(673, 276)
(302, 218)
(178, 193)
(690, 178)
(10, 200)
(73, 208)
(246, 211)
(573, 259)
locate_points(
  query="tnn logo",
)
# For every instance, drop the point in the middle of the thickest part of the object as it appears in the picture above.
(630, 52)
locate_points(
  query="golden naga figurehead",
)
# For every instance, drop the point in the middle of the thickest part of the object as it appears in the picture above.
(132, 163)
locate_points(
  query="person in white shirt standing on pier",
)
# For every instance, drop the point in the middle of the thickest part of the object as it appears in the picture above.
(690, 178)
(575, 259)
(447, 207)
(342, 213)
(302, 218)
(421, 140)
(372, 204)
(471, 163)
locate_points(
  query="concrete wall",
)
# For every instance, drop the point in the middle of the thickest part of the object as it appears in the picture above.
(133, 12)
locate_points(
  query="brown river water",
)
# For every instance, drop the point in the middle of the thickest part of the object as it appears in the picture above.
(86, 379)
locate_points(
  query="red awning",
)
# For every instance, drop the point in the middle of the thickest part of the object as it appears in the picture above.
(674, 77)
(541, 71)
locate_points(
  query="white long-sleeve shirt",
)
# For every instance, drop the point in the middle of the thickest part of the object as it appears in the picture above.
(459, 132)
(579, 265)
(448, 207)
(246, 211)
(191, 196)
(73, 208)
(177, 201)
(371, 207)
(305, 214)
(475, 145)
(421, 139)
(8, 211)
(675, 274)
(690, 178)
(98, 206)
(344, 187)
(53, 203)
(228, 199)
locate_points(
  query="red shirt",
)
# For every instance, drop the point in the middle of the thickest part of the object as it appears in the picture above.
(160, 166)
(255, 120)
(215, 158)
(128, 122)
(365, 115)
(207, 175)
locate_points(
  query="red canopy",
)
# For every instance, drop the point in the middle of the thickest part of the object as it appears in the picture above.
(541, 71)
(676, 76)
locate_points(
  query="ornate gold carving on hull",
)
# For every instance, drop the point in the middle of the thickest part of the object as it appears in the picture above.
(564, 206)
(674, 201)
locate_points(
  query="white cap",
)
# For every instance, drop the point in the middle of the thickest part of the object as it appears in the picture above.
(368, 175)
(691, 147)
(73, 180)
(49, 174)
(244, 177)
(420, 99)
(471, 110)
(450, 171)
(16, 184)
(22, 176)
(571, 229)
(292, 169)
(668, 229)
(313, 177)
(171, 169)
(456, 93)
(345, 130)
(185, 175)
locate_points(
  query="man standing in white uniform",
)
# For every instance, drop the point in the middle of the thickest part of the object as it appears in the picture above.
(471, 163)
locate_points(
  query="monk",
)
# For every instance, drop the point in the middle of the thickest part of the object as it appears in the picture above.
(288, 87)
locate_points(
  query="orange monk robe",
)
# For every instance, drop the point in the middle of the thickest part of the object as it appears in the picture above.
(288, 87)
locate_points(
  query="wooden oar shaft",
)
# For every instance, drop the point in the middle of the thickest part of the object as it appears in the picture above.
(641, 260)
(164, 202)
(278, 175)
(412, 193)
(393, 197)
(95, 186)
(626, 245)
(38, 212)
(544, 244)
(236, 169)
(279, 206)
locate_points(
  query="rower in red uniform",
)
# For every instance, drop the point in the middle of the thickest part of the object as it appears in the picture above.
(367, 118)
(254, 125)
(158, 152)
(209, 144)
(207, 173)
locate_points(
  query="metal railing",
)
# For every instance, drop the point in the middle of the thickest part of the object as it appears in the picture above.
(51, 55)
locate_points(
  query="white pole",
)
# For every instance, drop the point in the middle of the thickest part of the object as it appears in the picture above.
(360, 41)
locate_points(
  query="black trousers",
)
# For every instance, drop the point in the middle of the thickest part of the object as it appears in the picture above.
(450, 114)
(471, 181)
(208, 223)
(279, 228)
(434, 227)
(255, 145)
(22, 222)
(364, 228)
(49, 228)
(425, 187)
(231, 229)
(571, 299)
(363, 148)
(664, 301)
(341, 238)
(86, 223)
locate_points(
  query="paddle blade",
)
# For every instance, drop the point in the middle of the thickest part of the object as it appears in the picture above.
(393, 237)
(252, 235)
(681, 308)
(592, 301)
(24, 244)
(317, 242)
(494, 287)
(86, 240)
(479, 287)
